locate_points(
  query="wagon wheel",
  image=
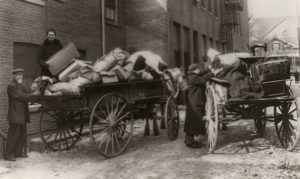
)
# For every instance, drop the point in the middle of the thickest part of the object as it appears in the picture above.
(60, 129)
(172, 118)
(287, 124)
(170, 84)
(111, 125)
(290, 91)
(211, 119)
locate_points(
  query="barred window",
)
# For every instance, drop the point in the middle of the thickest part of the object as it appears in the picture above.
(111, 10)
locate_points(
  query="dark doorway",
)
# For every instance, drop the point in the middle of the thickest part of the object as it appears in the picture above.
(25, 57)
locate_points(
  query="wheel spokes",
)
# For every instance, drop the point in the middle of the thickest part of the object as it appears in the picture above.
(113, 130)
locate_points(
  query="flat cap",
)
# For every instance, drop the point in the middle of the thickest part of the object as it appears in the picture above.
(17, 71)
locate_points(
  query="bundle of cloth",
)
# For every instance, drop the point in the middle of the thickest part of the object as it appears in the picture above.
(230, 68)
(117, 65)
(120, 66)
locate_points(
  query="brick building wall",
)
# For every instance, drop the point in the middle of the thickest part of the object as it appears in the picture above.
(6, 55)
(78, 22)
(147, 26)
(198, 29)
(74, 21)
(241, 40)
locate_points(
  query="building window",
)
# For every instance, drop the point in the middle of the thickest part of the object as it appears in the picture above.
(83, 54)
(176, 44)
(203, 3)
(111, 10)
(195, 2)
(240, 25)
(209, 5)
(204, 47)
(196, 47)
(186, 47)
(275, 46)
(216, 8)
(211, 43)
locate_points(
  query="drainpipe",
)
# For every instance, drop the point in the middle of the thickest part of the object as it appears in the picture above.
(103, 26)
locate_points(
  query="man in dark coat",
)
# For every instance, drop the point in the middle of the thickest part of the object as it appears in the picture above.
(18, 115)
(195, 104)
(49, 47)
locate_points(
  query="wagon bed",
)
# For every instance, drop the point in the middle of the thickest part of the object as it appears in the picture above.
(110, 110)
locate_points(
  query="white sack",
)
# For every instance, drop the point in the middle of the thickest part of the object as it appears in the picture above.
(212, 53)
(65, 88)
(108, 61)
(75, 66)
(232, 58)
(72, 87)
(151, 59)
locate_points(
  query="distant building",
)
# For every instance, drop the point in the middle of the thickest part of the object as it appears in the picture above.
(182, 31)
(280, 35)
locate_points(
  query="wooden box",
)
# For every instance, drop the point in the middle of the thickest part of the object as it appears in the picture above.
(62, 58)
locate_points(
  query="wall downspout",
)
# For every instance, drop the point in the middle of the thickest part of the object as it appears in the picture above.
(103, 26)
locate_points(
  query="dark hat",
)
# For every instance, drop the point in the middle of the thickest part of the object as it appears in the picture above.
(193, 67)
(17, 71)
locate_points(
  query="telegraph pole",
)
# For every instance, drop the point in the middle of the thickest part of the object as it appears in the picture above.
(298, 25)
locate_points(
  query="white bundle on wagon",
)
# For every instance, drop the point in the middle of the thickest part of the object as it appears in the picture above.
(144, 65)
(117, 65)
(230, 68)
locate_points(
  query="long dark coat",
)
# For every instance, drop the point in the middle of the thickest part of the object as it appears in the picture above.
(48, 48)
(18, 112)
(195, 103)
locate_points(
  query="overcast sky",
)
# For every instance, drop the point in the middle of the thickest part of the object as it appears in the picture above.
(273, 8)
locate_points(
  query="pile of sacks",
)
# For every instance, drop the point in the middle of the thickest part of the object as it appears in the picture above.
(230, 68)
(118, 65)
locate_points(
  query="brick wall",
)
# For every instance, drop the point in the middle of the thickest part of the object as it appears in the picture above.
(241, 40)
(147, 26)
(78, 22)
(74, 21)
(194, 18)
(6, 55)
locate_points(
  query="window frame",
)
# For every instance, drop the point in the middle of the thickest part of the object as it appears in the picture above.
(114, 12)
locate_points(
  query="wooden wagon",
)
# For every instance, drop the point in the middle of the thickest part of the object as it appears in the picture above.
(110, 110)
(278, 105)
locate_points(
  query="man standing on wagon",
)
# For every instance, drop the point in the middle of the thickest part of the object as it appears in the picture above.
(195, 106)
(18, 115)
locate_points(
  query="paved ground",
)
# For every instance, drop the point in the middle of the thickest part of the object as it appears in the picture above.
(156, 157)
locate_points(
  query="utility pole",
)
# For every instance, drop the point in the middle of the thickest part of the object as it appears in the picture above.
(298, 25)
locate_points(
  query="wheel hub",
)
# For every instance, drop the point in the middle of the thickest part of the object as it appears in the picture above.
(61, 122)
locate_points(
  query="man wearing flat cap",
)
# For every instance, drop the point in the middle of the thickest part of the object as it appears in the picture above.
(18, 115)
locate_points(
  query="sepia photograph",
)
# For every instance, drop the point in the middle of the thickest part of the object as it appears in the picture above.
(149, 89)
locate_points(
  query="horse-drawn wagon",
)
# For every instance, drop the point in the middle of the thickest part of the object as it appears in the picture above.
(277, 104)
(109, 110)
